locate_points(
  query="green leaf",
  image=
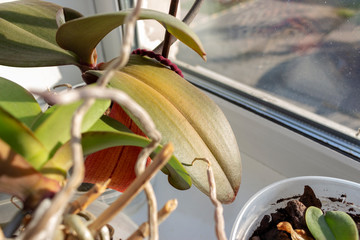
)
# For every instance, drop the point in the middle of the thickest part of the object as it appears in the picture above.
(316, 223)
(105, 134)
(334, 225)
(53, 127)
(22, 140)
(17, 101)
(82, 35)
(28, 30)
(186, 117)
(108, 124)
(342, 225)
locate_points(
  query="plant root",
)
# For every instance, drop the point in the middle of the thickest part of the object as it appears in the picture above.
(144, 230)
(83, 201)
(219, 218)
(135, 187)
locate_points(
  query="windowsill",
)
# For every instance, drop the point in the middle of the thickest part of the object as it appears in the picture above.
(194, 217)
(269, 153)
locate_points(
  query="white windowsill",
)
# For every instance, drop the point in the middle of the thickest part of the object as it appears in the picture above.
(269, 153)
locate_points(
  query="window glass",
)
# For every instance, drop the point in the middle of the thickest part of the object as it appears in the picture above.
(306, 52)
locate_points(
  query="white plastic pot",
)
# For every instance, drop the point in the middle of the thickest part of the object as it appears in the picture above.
(122, 224)
(265, 201)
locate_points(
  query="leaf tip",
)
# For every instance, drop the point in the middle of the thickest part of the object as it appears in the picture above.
(204, 57)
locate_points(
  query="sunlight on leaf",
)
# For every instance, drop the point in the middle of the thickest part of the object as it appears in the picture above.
(17, 101)
(52, 128)
(22, 140)
(342, 225)
(183, 114)
(28, 30)
(82, 35)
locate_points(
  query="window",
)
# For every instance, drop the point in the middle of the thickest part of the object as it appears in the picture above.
(294, 62)
(274, 68)
(272, 79)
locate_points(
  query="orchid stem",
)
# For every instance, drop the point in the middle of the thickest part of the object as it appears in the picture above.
(167, 39)
(187, 19)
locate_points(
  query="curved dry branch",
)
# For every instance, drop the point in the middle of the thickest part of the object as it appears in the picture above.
(219, 217)
(143, 231)
(135, 187)
(45, 222)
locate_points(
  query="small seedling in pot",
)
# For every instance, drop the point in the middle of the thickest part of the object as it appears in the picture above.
(333, 225)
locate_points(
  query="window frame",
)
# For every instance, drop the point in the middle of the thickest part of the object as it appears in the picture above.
(322, 131)
(287, 115)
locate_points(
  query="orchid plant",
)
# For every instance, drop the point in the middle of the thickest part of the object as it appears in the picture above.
(36, 146)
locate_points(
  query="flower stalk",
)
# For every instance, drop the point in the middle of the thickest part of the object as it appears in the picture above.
(187, 19)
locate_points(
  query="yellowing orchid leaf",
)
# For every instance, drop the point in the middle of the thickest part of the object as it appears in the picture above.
(18, 102)
(28, 30)
(83, 34)
(186, 117)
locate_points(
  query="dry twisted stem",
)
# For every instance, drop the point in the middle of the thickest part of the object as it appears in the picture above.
(219, 218)
(83, 201)
(135, 187)
(145, 120)
(149, 191)
(117, 96)
(46, 220)
(143, 231)
(102, 93)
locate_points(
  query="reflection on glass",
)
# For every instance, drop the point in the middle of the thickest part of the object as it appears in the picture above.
(304, 51)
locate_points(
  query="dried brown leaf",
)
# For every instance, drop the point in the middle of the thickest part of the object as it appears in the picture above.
(298, 234)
